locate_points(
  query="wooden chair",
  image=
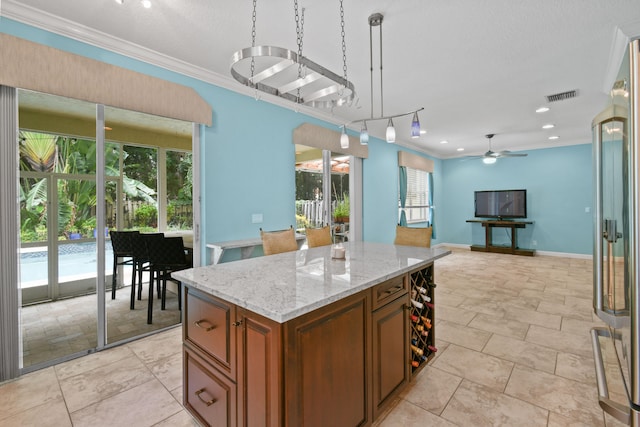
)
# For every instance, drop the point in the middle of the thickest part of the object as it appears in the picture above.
(319, 236)
(411, 236)
(121, 241)
(275, 242)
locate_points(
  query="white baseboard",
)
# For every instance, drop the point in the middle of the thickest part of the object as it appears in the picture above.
(538, 253)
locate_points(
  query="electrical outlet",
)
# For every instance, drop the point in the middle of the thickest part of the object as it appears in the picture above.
(256, 218)
(587, 209)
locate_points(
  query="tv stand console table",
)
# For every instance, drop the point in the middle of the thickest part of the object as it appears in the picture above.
(489, 225)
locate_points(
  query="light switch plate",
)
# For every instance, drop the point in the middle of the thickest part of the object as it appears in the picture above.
(256, 218)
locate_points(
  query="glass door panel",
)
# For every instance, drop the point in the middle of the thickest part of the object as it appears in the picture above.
(34, 254)
(340, 196)
(58, 254)
(311, 210)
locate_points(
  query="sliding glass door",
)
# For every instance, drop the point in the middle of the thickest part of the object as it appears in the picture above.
(65, 275)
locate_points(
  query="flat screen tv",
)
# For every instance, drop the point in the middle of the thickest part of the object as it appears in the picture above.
(501, 204)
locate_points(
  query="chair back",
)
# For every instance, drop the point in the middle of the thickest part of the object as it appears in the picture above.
(275, 242)
(122, 242)
(410, 236)
(140, 244)
(167, 253)
(319, 236)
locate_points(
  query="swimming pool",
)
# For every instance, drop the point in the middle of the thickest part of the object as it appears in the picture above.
(75, 261)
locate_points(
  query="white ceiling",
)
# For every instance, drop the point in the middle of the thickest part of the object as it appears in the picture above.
(476, 66)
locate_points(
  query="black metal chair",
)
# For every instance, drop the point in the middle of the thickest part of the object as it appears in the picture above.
(141, 261)
(121, 241)
(166, 256)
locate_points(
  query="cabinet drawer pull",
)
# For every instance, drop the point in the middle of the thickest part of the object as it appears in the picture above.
(394, 289)
(206, 329)
(238, 323)
(206, 402)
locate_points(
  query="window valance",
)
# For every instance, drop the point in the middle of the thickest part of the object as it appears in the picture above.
(414, 161)
(32, 66)
(327, 139)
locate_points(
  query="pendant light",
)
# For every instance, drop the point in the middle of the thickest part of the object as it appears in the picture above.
(415, 126)
(391, 132)
(344, 138)
(364, 134)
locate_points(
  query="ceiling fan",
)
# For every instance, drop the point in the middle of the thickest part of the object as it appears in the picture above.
(491, 156)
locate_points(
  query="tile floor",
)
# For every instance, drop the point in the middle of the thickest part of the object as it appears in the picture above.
(64, 327)
(514, 350)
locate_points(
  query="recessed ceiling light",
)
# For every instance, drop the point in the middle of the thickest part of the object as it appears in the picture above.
(444, 142)
(146, 3)
(542, 110)
(423, 131)
(548, 126)
(460, 149)
(552, 137)
(120, 1)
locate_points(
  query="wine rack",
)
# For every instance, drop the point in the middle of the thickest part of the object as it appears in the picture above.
(421, 317)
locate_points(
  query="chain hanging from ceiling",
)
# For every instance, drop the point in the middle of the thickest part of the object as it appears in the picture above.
(290, 75)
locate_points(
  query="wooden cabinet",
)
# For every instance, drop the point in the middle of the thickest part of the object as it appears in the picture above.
(260, 370)
(390, 337)
(328, 365)
(340, 365)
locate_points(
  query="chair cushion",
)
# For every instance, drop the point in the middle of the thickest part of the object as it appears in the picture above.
(409, 236)
(275, 242)
(318, 236)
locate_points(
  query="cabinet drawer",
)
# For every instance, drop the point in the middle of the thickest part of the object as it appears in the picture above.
(208, 327)
(388, 291)
(209, 395)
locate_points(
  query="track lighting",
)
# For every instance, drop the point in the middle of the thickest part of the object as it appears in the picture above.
(375, 20)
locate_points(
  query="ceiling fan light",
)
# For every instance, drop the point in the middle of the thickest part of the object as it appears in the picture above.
(415, 126)
(344, 138)
(391, 132)
(364, 134)
(489, 160)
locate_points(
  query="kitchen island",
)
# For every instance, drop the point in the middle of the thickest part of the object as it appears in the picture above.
(300, 338)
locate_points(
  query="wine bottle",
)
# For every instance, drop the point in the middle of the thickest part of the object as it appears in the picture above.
(418, 327)
(429, 304)
(414, 318)
(417, 350)
(432, 349)
(422, 290)
(425, 298)
(417, 304)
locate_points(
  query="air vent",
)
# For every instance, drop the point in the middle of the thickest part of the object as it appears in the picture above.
(562, 96)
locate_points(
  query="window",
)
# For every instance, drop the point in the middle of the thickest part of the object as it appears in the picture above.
(417, 203)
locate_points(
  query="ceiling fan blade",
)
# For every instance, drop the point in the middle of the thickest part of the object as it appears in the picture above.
(507, 154)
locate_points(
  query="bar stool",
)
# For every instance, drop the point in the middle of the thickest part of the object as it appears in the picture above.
(121, 242)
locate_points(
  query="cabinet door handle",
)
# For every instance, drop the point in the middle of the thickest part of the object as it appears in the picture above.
(394, 289)
(206, 329)
(238, 323)
(206, 402)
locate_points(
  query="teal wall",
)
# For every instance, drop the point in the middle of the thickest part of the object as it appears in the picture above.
(247, 167)
(559, 184)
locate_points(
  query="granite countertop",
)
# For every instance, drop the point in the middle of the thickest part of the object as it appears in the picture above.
(284, 286)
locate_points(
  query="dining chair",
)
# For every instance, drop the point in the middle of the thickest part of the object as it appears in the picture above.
(318, 236)
(121, 242)
(166, 256)
(275, 242)
(141, 261)
(413, 236)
